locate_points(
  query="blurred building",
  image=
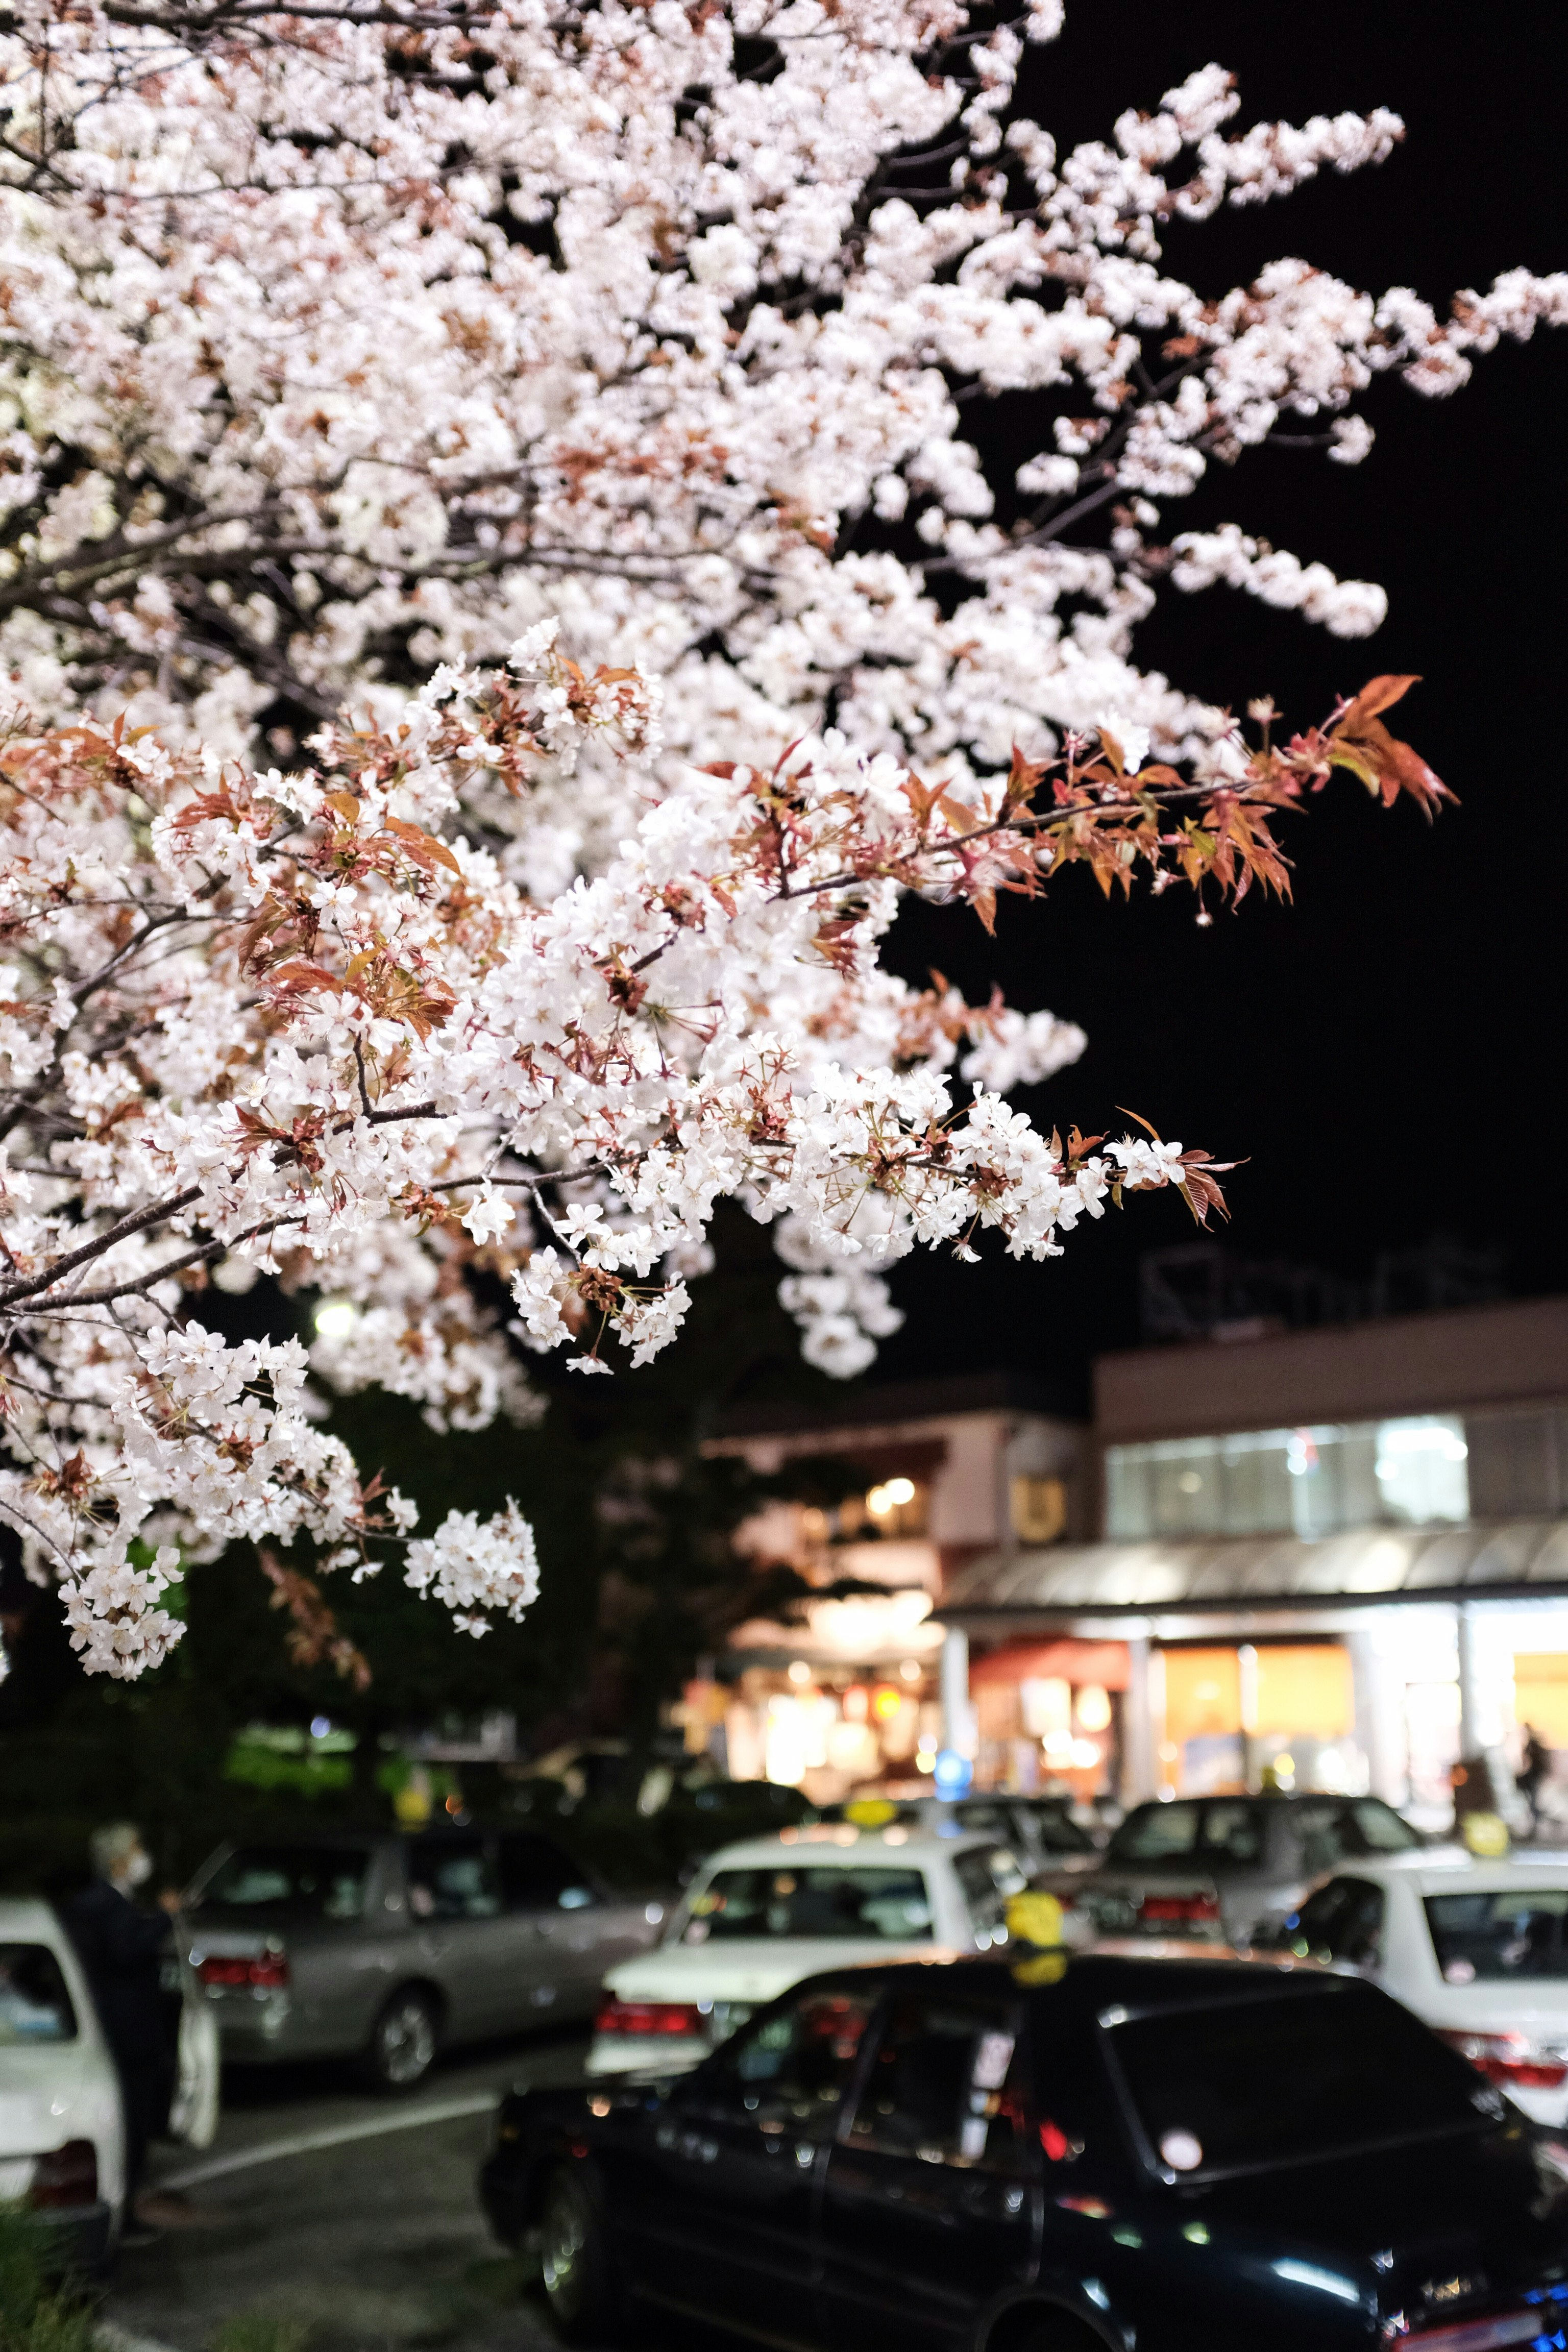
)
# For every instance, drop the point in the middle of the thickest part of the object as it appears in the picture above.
(931, 1477)
(1336, 1558)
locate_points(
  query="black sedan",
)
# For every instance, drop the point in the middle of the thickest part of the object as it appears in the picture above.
(1052, 2155)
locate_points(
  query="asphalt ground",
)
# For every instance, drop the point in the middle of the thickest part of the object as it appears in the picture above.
(352, 2219)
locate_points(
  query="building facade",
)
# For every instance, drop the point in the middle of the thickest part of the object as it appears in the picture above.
(863, 1684)
(1332, 1559)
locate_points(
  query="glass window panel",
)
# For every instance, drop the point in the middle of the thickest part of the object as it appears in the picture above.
(1154, 1832)
(789, 2069)
(887, 1905)
(1422, 1472)
(1285, 2080)
(1312, 1481)
(34, 2003)
(316, 1882)
(942, 2086)
(1520, 1932)
(452, 1878)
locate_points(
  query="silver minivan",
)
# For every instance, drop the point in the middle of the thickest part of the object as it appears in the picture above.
(381, 1946)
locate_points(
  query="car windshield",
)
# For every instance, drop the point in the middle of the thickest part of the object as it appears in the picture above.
(1225, 1831)
(314, 1881)
(34, 2003)
(1257, 2083)
(1156, 1834)
(1518, 1931)
(804, 1899)
(1055, 1827)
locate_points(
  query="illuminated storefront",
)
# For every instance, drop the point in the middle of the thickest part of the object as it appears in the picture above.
(1047, 1715)
(1336, 1559)
(1234, 1716)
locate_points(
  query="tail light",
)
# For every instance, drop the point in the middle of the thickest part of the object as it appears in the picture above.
(69, 2176)
(1179, 1910)
(1515, 2327)
(267, 1973)
(618, 2016)
(1509, 2060)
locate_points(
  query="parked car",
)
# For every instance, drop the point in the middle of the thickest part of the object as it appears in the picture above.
(764, 1913)
(62, 2139)
(1228, 1869)
(1190, 2157)
(1478, 1950)
(1041, 1831)
(382, 1947)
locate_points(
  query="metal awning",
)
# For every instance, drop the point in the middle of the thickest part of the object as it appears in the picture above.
(1509, 1559)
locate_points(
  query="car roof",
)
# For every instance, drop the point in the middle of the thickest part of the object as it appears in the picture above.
(840, 1843)
(1100, 1982)
(25, 1918)
(1282, 1799)
(1437, 1870)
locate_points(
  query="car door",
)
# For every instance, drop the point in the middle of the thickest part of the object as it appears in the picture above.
(725, 2224)
(559, 1938)
(461, 1933)
(929, 2207)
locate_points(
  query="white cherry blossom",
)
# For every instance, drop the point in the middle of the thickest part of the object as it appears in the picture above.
(506, 582)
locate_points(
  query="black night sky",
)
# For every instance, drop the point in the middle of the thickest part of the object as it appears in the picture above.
(1385, 1053)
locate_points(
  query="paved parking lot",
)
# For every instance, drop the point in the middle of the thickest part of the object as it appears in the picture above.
(354, 2217)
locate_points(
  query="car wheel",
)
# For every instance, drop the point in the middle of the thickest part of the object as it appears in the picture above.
(575, 2261)
(402, 2046)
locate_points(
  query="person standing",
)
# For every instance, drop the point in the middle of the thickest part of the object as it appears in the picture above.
(1536, 1773)
(121, 1947)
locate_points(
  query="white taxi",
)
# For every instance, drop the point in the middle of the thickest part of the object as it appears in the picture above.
(1477, 1950)
(62, 2143)
(762, 1915)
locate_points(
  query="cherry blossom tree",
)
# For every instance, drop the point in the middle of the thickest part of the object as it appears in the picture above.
(342, 342)
(363, 364)
(305, 1024)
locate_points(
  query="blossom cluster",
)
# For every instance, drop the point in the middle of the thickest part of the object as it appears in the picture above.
(345, 344)
(352, 935)
(309, 1024)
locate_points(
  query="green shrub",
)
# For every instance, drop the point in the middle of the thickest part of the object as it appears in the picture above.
(37, 2312)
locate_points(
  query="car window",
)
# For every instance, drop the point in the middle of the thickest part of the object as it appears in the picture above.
(1520, 1932)
(1232, 1833)
(1253, 2085)
(943, 2083)
(1156, 1833)
(1380, 1829)
(1342, 1921)
(788, 2069)
(312, 1881)
(535, 1875)
(988, 1876)
(1055, 1828)
(801, 1899)
(34, 2003)
(983, 1816)
(452, 1878)
(1325, 1835)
